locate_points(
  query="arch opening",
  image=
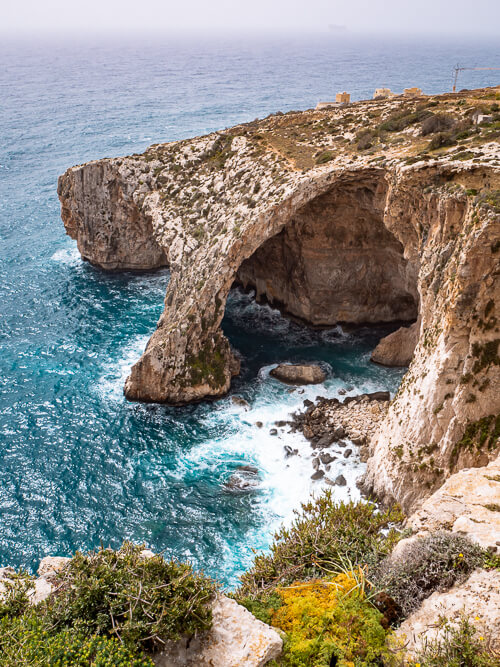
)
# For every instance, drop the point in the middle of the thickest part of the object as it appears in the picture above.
(335, 261)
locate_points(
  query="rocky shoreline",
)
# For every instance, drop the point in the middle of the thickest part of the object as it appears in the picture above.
(336, 428)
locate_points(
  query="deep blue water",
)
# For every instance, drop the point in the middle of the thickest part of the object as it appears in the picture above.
(80, 466)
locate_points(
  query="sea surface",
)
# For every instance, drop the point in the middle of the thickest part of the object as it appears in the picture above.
(80, 466)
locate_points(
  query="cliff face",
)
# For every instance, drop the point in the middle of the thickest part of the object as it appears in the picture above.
(101, 211)
(336, 261)
(297, 207)
(445, 414)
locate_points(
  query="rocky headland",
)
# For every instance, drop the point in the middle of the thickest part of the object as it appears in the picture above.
(378, 211)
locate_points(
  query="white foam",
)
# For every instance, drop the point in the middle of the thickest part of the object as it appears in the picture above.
(285, 482)
(111, 382)
(69, 256)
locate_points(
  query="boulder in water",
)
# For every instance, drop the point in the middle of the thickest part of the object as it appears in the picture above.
(397, 348)
(238, 400)
(299, 373)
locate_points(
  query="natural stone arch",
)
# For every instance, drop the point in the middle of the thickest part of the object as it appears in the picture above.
(188, 357)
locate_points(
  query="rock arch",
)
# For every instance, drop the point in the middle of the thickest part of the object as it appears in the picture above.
(324, 254)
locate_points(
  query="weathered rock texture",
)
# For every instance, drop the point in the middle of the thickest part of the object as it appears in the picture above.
(467, 503)
(99, 211)
(237, 639)
(336, 261)
(331, 228)
(397, 348)
(478, 599)
(298, 373)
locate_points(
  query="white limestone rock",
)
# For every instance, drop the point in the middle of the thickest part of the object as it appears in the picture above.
(478, 599)
(467, 503)
(51, 565)
(237, 639)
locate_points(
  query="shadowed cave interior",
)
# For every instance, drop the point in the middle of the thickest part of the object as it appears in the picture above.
(336, 262)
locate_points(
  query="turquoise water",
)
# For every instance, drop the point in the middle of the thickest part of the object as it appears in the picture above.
(79, 466)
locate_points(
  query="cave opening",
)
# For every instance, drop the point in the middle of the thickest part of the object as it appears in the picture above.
(335, 261)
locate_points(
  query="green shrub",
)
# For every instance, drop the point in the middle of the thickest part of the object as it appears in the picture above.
(365, 139)
(403, 119)
(324, 157)
(432, 563)
(142, 601)
(440, 140)
(26, 641)
(322, 537)
(14, 599)
(458, 646)
(437, 123)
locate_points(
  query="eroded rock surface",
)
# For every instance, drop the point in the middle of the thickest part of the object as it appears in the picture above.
(478, 599)
(397, 348)
(237, 639)
(330, 231)
(467, 503)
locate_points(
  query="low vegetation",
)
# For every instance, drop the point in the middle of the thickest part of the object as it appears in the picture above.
(328, 583)
(331, 587)
(323, 535)
(458, 646)
(329, 619)
(109, 608)
(432, 563)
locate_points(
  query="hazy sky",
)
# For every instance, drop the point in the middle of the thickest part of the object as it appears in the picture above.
(476, 17)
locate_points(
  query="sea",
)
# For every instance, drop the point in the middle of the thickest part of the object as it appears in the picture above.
(81, 467)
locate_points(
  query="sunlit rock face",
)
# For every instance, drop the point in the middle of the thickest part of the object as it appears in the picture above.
(330, 233)
(99, 212)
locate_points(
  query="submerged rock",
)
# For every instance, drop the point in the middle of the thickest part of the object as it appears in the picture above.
(238, 400)
(299, 373)
(244, 479)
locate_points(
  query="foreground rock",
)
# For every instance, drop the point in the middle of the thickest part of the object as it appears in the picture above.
(467, 503)
(397, 348)
(478, 599)
(296, 207)
(298, 374)
(237, 639)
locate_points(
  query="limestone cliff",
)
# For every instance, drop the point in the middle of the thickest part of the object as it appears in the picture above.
(343, 215)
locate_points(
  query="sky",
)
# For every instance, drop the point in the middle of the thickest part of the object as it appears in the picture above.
(447, 17)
